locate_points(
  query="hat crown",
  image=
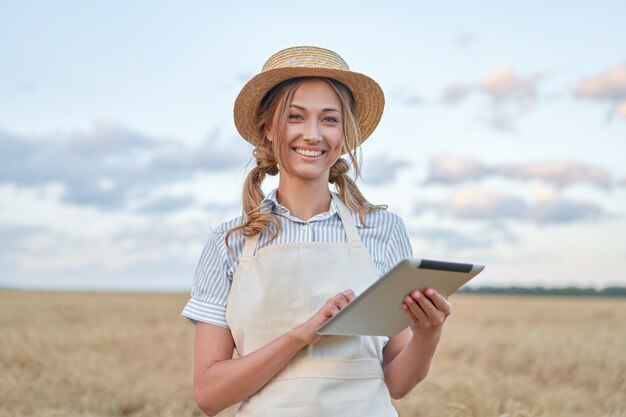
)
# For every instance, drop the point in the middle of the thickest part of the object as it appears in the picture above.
(305, 57)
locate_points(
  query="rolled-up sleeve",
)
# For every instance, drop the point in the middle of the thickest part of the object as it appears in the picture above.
(211, 286)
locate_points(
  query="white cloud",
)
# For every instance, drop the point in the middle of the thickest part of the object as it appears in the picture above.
(448, 169)
(110, 165)
(486, 205)
(609, 85)
(502, 84)
(543, 193)
(106, 139)
(153, 241)
(562, 210)
(512, 95)
(559, 173)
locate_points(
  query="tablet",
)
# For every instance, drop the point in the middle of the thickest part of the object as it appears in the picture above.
(377, 311)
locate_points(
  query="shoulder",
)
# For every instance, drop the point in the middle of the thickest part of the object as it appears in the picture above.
(385, 236)
(216, 240)
(381, 225)
(224, 227)
(382, 217)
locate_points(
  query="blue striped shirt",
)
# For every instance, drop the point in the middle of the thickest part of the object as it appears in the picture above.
(384, 237)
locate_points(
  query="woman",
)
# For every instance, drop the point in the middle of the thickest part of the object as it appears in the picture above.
(268, 279)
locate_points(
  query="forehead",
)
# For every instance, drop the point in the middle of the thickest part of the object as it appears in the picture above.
(316, 92)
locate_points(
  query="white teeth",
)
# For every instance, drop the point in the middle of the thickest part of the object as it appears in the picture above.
(308, 153)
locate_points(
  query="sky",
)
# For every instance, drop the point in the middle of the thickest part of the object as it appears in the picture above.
(503, 140)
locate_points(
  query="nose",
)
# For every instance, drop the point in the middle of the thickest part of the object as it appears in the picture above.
(313, 132)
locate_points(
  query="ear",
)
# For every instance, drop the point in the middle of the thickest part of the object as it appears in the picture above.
(269, 133)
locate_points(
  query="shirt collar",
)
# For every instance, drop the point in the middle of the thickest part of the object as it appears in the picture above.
(270, 204)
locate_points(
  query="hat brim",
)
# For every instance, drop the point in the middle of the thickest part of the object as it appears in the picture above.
(368, 96)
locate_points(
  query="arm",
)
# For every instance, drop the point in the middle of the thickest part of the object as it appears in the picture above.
(408, 355)
(221, 381)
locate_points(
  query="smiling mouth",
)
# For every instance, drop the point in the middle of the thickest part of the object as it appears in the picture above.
(307, 152)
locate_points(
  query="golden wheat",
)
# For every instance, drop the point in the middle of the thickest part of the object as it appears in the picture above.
(129, 354)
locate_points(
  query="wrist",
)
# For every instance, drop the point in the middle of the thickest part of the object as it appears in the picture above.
(296, 338)
(427, 335)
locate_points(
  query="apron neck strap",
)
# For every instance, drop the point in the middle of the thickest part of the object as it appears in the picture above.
(349, 226)
(249, 247)
(348, 223)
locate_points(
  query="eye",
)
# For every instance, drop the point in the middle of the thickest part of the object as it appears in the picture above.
(330, 119)
(295, 117)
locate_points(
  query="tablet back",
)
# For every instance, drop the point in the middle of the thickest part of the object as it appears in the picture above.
(378, 310)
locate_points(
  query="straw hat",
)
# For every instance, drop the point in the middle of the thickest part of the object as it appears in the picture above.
(308, 61)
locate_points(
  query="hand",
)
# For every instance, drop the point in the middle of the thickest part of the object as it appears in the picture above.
(427, 311)
(306, 332)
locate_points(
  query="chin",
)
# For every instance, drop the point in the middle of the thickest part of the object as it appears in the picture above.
(307, 175)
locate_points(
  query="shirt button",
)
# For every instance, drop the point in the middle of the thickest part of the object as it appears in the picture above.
(306, 227)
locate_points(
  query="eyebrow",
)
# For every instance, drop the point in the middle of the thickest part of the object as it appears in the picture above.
(324, 109)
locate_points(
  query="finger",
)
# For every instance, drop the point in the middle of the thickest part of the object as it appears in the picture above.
(409, 313)
(340, 300)
(426, 304)
(415, 309)
(339, 304)
(439, 300)
(350, 295)
(412, 317)
(331, 310)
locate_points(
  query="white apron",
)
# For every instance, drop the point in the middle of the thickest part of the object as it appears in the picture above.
(282, 286)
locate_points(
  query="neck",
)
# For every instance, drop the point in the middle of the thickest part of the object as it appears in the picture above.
(304, 199)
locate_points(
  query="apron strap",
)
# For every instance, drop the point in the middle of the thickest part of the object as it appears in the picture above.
(348, 223)
(249, 247)
(349, 226)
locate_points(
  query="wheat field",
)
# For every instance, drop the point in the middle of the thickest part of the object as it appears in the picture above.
(70, 354)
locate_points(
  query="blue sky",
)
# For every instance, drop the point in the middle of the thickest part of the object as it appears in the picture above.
(503, 140)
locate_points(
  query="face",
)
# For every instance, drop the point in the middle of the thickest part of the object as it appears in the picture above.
(312, 138)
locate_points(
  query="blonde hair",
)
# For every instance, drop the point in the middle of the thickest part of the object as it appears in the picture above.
(268, 158)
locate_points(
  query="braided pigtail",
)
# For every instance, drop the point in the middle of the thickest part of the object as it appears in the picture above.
(349, 191)
(345, 185)
(254, 219)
